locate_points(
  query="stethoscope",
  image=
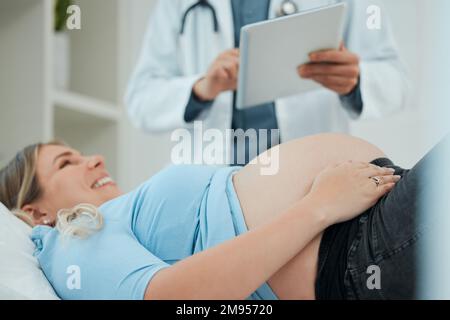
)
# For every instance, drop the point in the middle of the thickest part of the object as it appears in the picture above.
(286, 8)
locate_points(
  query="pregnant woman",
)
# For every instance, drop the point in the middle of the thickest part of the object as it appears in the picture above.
(195, 232)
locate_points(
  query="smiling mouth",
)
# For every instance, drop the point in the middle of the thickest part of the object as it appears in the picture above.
(102, 182)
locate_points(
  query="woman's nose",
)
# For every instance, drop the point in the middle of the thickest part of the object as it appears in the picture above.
(96, 161)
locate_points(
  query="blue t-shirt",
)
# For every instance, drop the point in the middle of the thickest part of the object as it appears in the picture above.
(180, 211)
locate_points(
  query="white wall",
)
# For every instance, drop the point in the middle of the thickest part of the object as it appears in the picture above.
(148, 153)
(395, 134)
(402, 136)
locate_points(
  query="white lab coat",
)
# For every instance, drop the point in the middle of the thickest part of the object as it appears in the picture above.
(170, 64)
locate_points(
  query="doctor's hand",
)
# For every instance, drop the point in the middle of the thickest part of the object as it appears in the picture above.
(337, 70)
(221, 76)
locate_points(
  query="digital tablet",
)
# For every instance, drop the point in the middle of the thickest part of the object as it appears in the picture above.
(271, 51)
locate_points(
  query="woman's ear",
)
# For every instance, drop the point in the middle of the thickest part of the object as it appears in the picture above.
(36, 215)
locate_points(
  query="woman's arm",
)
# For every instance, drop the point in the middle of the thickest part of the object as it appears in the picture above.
(235, 269)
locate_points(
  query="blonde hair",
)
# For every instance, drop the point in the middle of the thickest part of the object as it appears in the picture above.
(19, 186)
(81, 221)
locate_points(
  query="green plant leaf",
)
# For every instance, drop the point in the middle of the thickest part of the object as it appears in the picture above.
(61, 13)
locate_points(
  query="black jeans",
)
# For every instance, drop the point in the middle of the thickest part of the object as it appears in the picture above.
(389, 234)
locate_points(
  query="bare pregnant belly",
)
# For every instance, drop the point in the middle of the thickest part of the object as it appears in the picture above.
(262, 197)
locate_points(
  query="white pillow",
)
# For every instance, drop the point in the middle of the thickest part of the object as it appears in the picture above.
(20, 274)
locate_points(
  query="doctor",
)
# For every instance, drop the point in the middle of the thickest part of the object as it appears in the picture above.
(189, 65)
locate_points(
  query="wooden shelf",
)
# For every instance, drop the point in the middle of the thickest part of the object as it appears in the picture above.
(87, 106)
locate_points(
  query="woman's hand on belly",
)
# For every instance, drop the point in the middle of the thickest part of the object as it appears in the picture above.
(345, 190)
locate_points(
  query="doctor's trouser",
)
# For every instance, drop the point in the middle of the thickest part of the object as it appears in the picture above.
(388, 239)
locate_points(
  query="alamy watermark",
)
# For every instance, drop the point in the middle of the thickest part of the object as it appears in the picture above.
(73, 21)
(374, 17)
(73, 281)
(216, 147)
(374, 280)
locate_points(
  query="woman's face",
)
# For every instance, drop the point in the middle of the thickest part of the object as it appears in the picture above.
(67, 179)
